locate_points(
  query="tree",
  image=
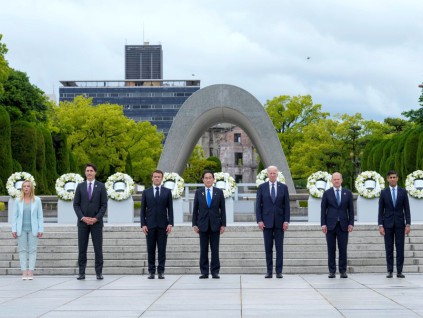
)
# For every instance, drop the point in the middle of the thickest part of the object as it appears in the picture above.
(4, 67)
(104, 136)
(6, 160)
(24, 145)
(416, 116)
(196, 166)
(23, 100)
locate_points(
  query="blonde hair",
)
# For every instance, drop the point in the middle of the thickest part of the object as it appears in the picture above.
(31, 192)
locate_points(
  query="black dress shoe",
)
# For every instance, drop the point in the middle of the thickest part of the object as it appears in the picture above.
(151, 276)
(99, 276)
(161, 276)
(344, 275)
(279, 275)
(389, 275)
(204, 276)
(400, 275)
(268, 275)
(81, 277)
(215, 276)
(331, 275)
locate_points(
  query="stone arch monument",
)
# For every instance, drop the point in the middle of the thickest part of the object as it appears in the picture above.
(222, 103)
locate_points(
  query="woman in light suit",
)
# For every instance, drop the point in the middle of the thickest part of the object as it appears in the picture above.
(27, 226)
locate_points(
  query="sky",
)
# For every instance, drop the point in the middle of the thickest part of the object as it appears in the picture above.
(351, 56)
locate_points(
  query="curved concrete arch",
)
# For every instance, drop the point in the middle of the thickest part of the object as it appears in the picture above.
(222, 103)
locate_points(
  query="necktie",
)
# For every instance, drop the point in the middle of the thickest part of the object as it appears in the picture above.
(90, 190)
(157, 194)
(338, 199)
(273, 193)
(394, 198)
(208, 198)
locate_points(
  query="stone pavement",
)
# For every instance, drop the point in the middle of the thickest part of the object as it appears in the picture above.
(361, 295)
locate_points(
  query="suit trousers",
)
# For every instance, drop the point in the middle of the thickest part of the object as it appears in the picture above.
(27, 244)
(96, 231)
(156, 237)
(340, 236)
(276, 235)
(211, 238)
(397, 235)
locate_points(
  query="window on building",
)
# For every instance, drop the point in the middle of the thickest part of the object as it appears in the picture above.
(238, 178)
(237, 137)
(238, 158)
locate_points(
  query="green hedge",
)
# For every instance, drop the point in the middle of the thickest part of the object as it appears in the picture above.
(5, 148)
(24, 145)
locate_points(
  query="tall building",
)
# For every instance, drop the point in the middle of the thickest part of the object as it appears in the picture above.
(143, 61)
(155, 101)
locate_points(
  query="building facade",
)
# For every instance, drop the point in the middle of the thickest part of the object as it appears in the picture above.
(155, 101)
(143, 61)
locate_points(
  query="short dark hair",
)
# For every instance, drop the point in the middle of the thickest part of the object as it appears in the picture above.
(207, 171)
(157, 171)
(90, 165)
(391, 172)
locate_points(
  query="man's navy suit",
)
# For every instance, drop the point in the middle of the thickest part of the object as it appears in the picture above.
(393, 219)
(156, 215)
(94, 208)
(273, 215)
(337, 219)
(209, 220)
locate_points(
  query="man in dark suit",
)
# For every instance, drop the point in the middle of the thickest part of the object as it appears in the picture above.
(337, 220)
(273, 216)
(156, 222)
(90, 204)
(209, 221)
(394, 221)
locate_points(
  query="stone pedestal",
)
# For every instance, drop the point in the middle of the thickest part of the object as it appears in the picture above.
(178, 211)
(120, 211)
(66, 213)
(314, 209)
(416, 209)
(367, 210)
(10, 208)
(229, 205)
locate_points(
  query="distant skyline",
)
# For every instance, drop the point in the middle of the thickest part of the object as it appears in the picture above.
(350, 56)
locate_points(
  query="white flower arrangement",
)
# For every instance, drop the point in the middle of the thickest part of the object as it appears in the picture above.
(230, 184)
(410, 184)
(15, 177)
(262, 177)
(369, 193)
(312, 183)
(67, 193)
(120, 194)
(179, 186)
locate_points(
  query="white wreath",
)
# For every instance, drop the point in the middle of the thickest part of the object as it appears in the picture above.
(15, 177)
(67, 194)
(230, 184)
(124, 193)
(369, 193)
(262, 177)
(179, 186)
(312, 180)
(411, 187)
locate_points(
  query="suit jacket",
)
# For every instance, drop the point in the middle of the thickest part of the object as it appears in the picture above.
(272, 214)
(157, 213)
(37, 221)
(94, 208)
(331, 213)
(390, 216)
(202, 215)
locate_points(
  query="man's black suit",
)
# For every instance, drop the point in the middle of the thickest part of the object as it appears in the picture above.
(156, 215)
(337, 219)
(273, 215)
(209, 221)
(94, 208)
(393, 219)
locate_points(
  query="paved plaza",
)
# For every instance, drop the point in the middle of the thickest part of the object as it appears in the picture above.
(361, 295)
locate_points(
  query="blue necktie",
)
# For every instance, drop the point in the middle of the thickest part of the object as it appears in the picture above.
(394, 198)
(90, 190)
(338, 199)
(273, 193)
(208, 198)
